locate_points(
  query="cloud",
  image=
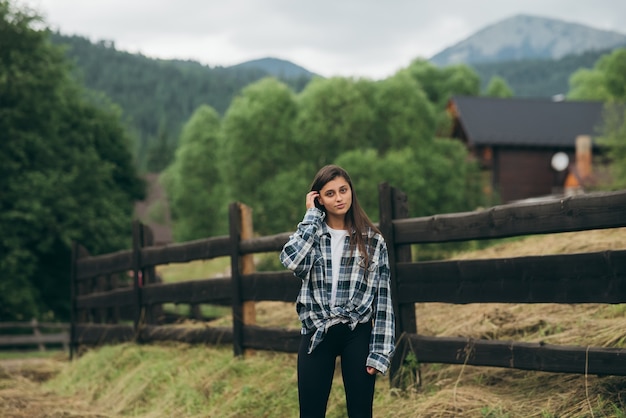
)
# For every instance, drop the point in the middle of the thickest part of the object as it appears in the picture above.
(349, 37)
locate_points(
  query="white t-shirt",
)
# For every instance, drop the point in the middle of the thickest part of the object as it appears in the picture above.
(337, 239)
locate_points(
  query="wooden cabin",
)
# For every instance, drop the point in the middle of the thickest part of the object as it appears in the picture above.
(527, 145)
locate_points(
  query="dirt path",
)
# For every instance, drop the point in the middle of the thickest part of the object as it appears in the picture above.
(21, 393)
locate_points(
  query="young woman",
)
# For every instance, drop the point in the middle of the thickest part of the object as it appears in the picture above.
(345, 299)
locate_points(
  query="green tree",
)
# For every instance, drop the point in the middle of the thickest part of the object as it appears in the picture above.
(66, 172)
(160, 152)
(334, 116)
(498, 87)
(607, 82)
(196, 192)
(588, 84)
(437, 177)
(257, 142)
(284, 197)
(614, 138)
(440, 84)
(405, 116)
(459, 80)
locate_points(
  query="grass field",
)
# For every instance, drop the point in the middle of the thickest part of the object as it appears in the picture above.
(178, 380)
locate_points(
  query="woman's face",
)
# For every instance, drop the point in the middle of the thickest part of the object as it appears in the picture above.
(336, 197)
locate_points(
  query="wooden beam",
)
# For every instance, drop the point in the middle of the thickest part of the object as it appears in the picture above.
(89, 267)
(563, 278)
(264, 244)
(97, 334)
(272, 339)
(112, 298)
(276, 286)
(216, 291)
(575, 213)
(190, 335)
(188, 251)
(519, 355)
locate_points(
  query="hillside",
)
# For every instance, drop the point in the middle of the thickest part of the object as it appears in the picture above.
(276, 67)
(524, 37)
(158, 96)
(537, 77)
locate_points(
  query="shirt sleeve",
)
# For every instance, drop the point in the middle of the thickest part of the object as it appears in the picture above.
(297, 254)
(382, 342)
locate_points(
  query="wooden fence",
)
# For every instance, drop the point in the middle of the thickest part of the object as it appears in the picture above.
(41, 334)
(579, 278)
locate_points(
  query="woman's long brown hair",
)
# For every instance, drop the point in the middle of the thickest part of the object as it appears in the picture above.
(356, 218)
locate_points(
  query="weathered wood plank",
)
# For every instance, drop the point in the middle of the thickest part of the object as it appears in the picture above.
(567, 278)
(393, 205)
(271, 339)
(104, 264)
(216, 291)
(202, 249)
(235, 232)
(31, 325)
(575, 213)
(519, 355)
(276, 286)
(97, 334)
(191, 335)
(264, 244)
(113, 298)
(16, 340)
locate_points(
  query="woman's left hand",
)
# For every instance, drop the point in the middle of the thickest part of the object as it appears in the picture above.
(371, 370)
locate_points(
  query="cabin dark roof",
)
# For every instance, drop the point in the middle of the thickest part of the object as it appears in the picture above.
(526, 122)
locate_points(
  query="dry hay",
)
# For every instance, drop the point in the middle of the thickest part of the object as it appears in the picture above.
(269, 314)
(453, 391)
(277, 315)
(21, 394)
(563, 243)
(568, 324)
(583, 324)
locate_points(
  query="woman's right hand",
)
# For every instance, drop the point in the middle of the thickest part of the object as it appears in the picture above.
(310, 199)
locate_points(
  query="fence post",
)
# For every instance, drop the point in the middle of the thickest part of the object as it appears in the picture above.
(393, 205)
(78, 252)
(100, 315)
(37, 333)
(137, 278)
(114, 284)
(149, 276)
(240, 227)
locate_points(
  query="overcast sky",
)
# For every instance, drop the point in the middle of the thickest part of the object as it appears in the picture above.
(361, 38)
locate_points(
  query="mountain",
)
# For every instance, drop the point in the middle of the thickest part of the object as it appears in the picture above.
(276, 67)
(528, 37)
(537, 77)
(158, 96)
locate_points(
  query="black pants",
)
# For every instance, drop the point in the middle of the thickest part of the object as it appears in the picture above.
(316, 370)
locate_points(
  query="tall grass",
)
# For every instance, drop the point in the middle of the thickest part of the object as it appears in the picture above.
(178, 380)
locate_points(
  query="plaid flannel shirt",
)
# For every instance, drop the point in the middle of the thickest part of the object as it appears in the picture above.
(363, 292)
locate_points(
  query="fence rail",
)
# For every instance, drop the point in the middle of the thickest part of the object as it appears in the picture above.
(598, 277)
(39, 337)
